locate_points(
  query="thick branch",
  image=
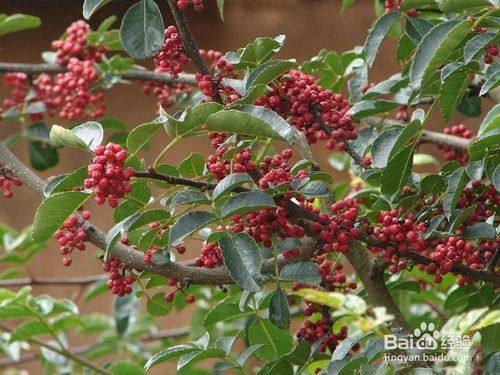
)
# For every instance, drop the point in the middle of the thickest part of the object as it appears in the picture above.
(134, 259)
(452, 141)
(372, 278)
(140, 75)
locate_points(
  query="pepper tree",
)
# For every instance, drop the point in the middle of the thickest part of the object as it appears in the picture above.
(281, 242)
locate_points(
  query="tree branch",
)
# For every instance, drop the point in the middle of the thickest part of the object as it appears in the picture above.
(173, 334)
(140, 75)
(452, 141)
(133, 259)
(60, 281)
(189, 44)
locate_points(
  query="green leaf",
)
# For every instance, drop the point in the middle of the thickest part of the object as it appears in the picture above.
(433, 51)
(480, 230)
(345, 346)
(242, 260)
(92, 6)
(487, 141)
(301, 272)
(27, 330)
(245, 202)
(253, 121)
(133, 222)
(457, 6)
(492, 82)
(314, 189)
(199, 355)
(222, 312)
(383, 145)
(397, 171)
(229, 183)
(367, 108)
(495, 178)
(142, 30)
(256, 53)
(165, 355)
(276, 341)
(139, 137)
(87, 136)
(42, 155)
(189, 196)
(193, 117)
(123, 310)
(157, 306)
(452, 90)
(65, 181)
(247, 353)
(377, 34)
(405, 48)
(18, 22)
(470, 105)
(279, 313)
(54, 211)
(456, 183)
(416, 28)
(126, 368)
(220, 6)
(192, 166)
(346, 4)
(265, 73)
(188, 224)
(475, 46)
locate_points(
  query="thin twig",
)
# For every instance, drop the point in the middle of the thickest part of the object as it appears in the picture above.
(64, 352)
(134, 75)
(189, 44)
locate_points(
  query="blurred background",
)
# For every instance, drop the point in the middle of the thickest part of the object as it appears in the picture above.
(309, 26)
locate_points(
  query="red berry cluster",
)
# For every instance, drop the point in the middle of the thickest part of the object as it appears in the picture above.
(179, 287)
(197, 4)
(402, 114)
(208, 84)
(7, 180)
(276, 170)
(210, 256)
(336, 230)
(71, 236)
(321, 329)
(166, 95)
(461, 131)
(333, 277)
(220, 167)
(19, 86)
(118, 283)
(171, 57)
(302, 101)
(217, 139)
(401, 235)
(75, 45)
(395, 5)
(148, 255)
(484, 196)
(490, 53)
(262, 224)
(74, 91)
(107, 175)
